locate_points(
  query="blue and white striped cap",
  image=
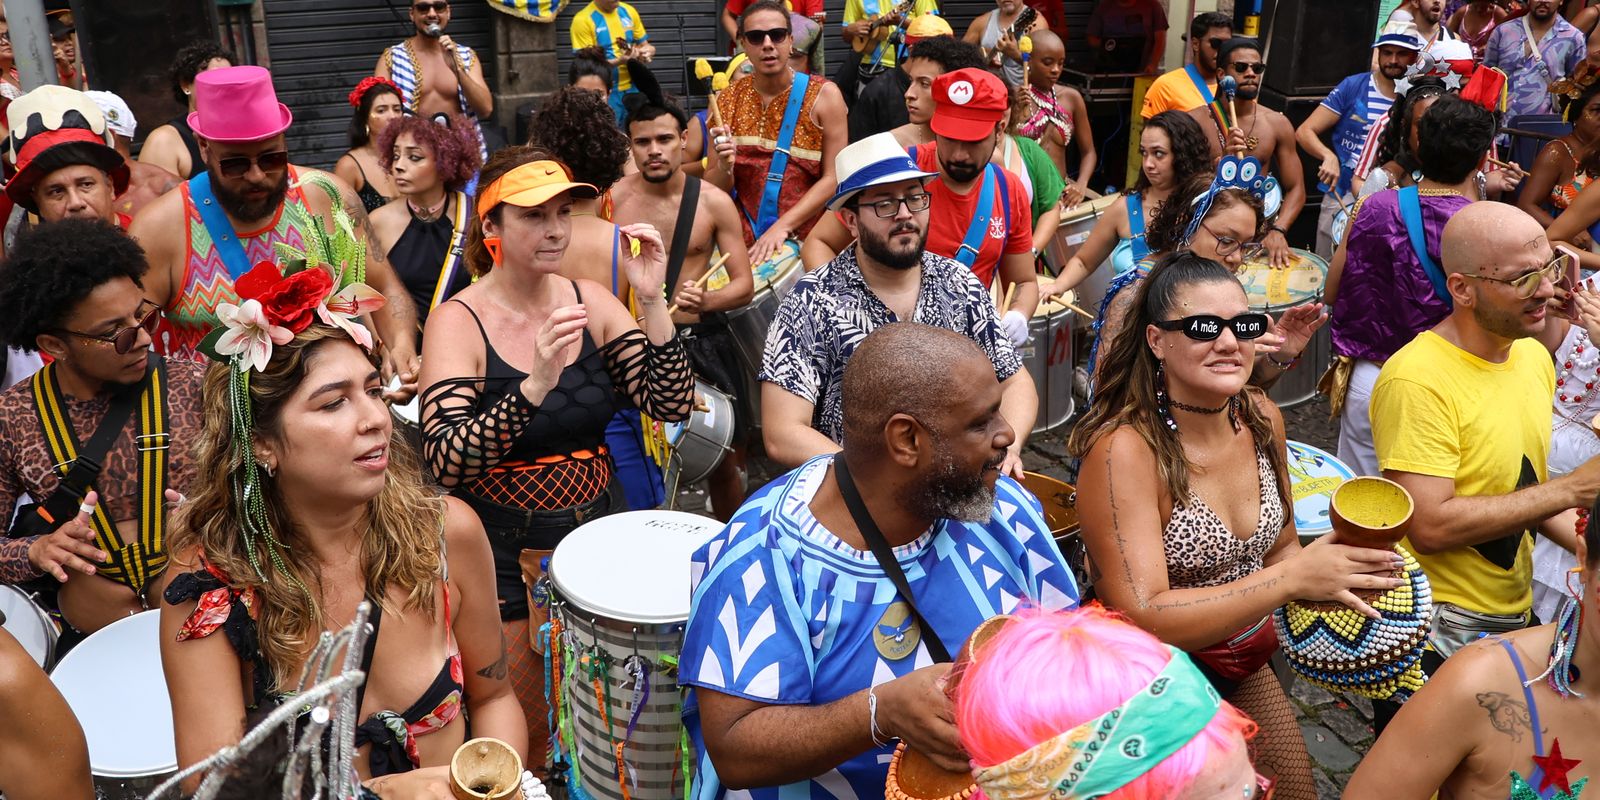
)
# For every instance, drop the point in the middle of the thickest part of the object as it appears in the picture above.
(875, 160)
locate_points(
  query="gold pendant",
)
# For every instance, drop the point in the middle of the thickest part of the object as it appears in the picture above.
(1250, 143)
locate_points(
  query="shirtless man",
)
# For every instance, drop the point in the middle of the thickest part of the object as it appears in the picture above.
(1260, 133)
(435, 74)
(654, 195)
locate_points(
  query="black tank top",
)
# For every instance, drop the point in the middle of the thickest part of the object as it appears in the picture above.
(419, 254)
(197, 163)
(573, 415)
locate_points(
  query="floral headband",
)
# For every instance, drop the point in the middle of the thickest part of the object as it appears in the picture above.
(322, 283)
(366, 85)
(1233, 172)
(1108, 752)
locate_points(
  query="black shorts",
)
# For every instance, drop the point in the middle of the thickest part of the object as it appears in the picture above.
(713, 356)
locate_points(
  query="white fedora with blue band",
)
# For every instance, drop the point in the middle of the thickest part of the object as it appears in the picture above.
(1400, 33)
(873, 161)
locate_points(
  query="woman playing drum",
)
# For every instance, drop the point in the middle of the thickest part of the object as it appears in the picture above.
(424, 229)
(1193, 543)
(324, 509)
(525, 368)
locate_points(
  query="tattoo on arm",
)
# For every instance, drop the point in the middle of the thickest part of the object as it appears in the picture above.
(497, 670)
(361, 221)
(1507, 715)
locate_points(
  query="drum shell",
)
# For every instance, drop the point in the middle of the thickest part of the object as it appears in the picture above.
(1048, 357)
(699, 445)
(30, 625)
(748, 325)
(1069, 236)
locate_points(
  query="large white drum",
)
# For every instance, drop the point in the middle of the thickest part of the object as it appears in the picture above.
(1276, 291)
(114, 685)
(30, 625)
(620, 589)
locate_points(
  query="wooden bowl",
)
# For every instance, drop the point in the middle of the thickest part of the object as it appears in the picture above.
(911, 775)
(1370, 512)
(486, 769)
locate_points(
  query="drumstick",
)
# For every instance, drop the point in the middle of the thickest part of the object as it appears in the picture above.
(1502, 164)
(1011, 293)
(1062, 299)
(701, 281)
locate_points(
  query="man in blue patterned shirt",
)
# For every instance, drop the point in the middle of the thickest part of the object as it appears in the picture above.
(885, 276)
(802, 657)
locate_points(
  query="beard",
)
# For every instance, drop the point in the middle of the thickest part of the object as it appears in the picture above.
(962, 173)
(881, 248)
(949, 493)
(244, 209)
(1503, 323)
(1393, 72)
(1248, 94)
(661, 177)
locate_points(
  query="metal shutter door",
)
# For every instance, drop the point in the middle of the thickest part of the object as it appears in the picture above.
(320, 49)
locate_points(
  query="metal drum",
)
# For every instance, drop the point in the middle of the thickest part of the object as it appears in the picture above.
(1060, 502)
(131, 749)
(1048, 357)
(1276, 291)
(699, 445)
(620, 589)
(774, 280)
(1070, 235)
(1313, 475)
(29, 625)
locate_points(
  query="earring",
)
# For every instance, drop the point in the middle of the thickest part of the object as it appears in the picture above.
(492, 244)
(1161, 397)
(269, 469)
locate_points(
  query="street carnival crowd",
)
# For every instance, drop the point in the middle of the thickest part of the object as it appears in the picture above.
(868, 274)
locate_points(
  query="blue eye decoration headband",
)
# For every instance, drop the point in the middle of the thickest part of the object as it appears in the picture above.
(1233, 172)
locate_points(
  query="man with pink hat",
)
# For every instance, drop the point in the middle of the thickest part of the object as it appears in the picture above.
(220, 223)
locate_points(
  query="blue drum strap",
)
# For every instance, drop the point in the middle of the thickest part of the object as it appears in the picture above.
(1135, 205)
(780, 156)
(970, 244)
(1199, 84)
(223, 237)
(1411, 215)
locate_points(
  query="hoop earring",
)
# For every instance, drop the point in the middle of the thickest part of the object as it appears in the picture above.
(271, 471)
(492, 244)
(1161, 397)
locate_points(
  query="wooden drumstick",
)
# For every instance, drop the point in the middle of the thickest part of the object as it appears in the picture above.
(1062, 299)
(1502, 164)
(701, 281)
(1011, 294)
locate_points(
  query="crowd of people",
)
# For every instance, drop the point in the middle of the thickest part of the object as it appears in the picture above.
(262, 400)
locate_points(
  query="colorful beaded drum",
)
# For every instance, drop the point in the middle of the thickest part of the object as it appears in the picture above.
(1339, 648)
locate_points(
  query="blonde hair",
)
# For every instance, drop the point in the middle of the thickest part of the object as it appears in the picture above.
(401, 545)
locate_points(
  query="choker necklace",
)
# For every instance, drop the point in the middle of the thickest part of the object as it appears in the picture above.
(431, 213)
(1198, 409)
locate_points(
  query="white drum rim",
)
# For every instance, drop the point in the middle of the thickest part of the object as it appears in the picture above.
(598, 538)
(52, 633)
(85, 651)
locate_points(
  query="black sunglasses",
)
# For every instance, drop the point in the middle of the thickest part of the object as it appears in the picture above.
(1217, 42)
(423, 8)
(1258, 68)
(1207, 327)
(236, 166)
(123, 339)
(757, 38)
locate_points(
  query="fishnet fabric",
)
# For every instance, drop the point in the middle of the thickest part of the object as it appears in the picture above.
(1279, 748)
(463, 442)
(551, 482)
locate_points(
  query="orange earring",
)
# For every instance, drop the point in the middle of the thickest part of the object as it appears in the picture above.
(492, 244)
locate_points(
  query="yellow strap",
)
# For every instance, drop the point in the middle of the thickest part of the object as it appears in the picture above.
(452, 257)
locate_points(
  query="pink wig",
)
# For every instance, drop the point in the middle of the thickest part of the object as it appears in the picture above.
(1045, 673)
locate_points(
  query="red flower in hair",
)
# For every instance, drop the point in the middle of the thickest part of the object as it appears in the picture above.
(366, 85)
(292, 302)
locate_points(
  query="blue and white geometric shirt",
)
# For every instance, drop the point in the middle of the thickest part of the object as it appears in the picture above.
(785, 613)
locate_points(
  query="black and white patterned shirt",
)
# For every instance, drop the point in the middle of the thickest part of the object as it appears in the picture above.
(832, 309)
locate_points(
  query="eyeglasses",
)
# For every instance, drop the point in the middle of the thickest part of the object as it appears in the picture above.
(123, 339)
(439, 7)
(890, 207)
(237, 166)
(1227, 245)
(1258, 68)
(758, 38)
(1207, 327)
(1527, 284)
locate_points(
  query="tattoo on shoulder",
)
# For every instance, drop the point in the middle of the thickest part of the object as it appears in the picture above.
(497, 670)
(1508, 715)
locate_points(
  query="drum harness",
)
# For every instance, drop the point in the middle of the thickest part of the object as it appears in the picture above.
(78, 466)
(972, 242)
(655, 434)
(452, 258)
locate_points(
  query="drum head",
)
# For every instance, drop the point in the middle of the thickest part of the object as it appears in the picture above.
(407, 412)
(128, 722)
(28, 623)
(1301, 282)
(1313, 475)
(632, 567)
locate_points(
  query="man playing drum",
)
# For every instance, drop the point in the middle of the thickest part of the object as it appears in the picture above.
(781, 132)
(694, 217)
(88, 437)
(811, 644)
(886, 276)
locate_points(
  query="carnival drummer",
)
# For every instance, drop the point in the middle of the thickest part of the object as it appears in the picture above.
(821, 614)
(90, 436)
(886, 276)
(695, 217)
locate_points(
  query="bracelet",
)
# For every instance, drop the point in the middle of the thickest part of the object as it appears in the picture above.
(879, 738)
(1282, 366)
(1276, 229)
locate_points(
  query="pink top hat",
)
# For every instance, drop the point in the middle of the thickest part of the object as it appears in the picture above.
(237, 104)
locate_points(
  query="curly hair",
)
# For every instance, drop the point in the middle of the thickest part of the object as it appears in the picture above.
(190, 61)
(1191, 150)
(454, 146)
(501, 162)
(949, 52)
(1395, 144)
(589, 61)
(1164, 232)
(580, 129)
(358, 119)
(53, 267)
(400, 547)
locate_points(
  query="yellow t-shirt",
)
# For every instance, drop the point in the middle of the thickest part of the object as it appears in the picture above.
(1173, 91)
(591, 27)
(1438, 410)
(858, 10)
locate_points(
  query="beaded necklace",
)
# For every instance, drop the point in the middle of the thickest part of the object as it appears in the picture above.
(1578, 369)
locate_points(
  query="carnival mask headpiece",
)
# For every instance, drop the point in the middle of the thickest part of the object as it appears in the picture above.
(1567, 90)
(1233, 172)
(322, 283)
(1445, 60)
(1108, 752)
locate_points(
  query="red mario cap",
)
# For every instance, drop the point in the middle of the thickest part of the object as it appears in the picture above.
(968, 103)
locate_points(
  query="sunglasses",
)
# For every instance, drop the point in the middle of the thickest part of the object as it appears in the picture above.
(237, 166)
(1258, 68)
(891, 206)
(1207, 327)
(1217, 42)
(1527, 284)
(758, 38)
(123, 339)
(437, 7)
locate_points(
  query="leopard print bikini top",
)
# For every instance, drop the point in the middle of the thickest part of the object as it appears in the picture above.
(1200, 549)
